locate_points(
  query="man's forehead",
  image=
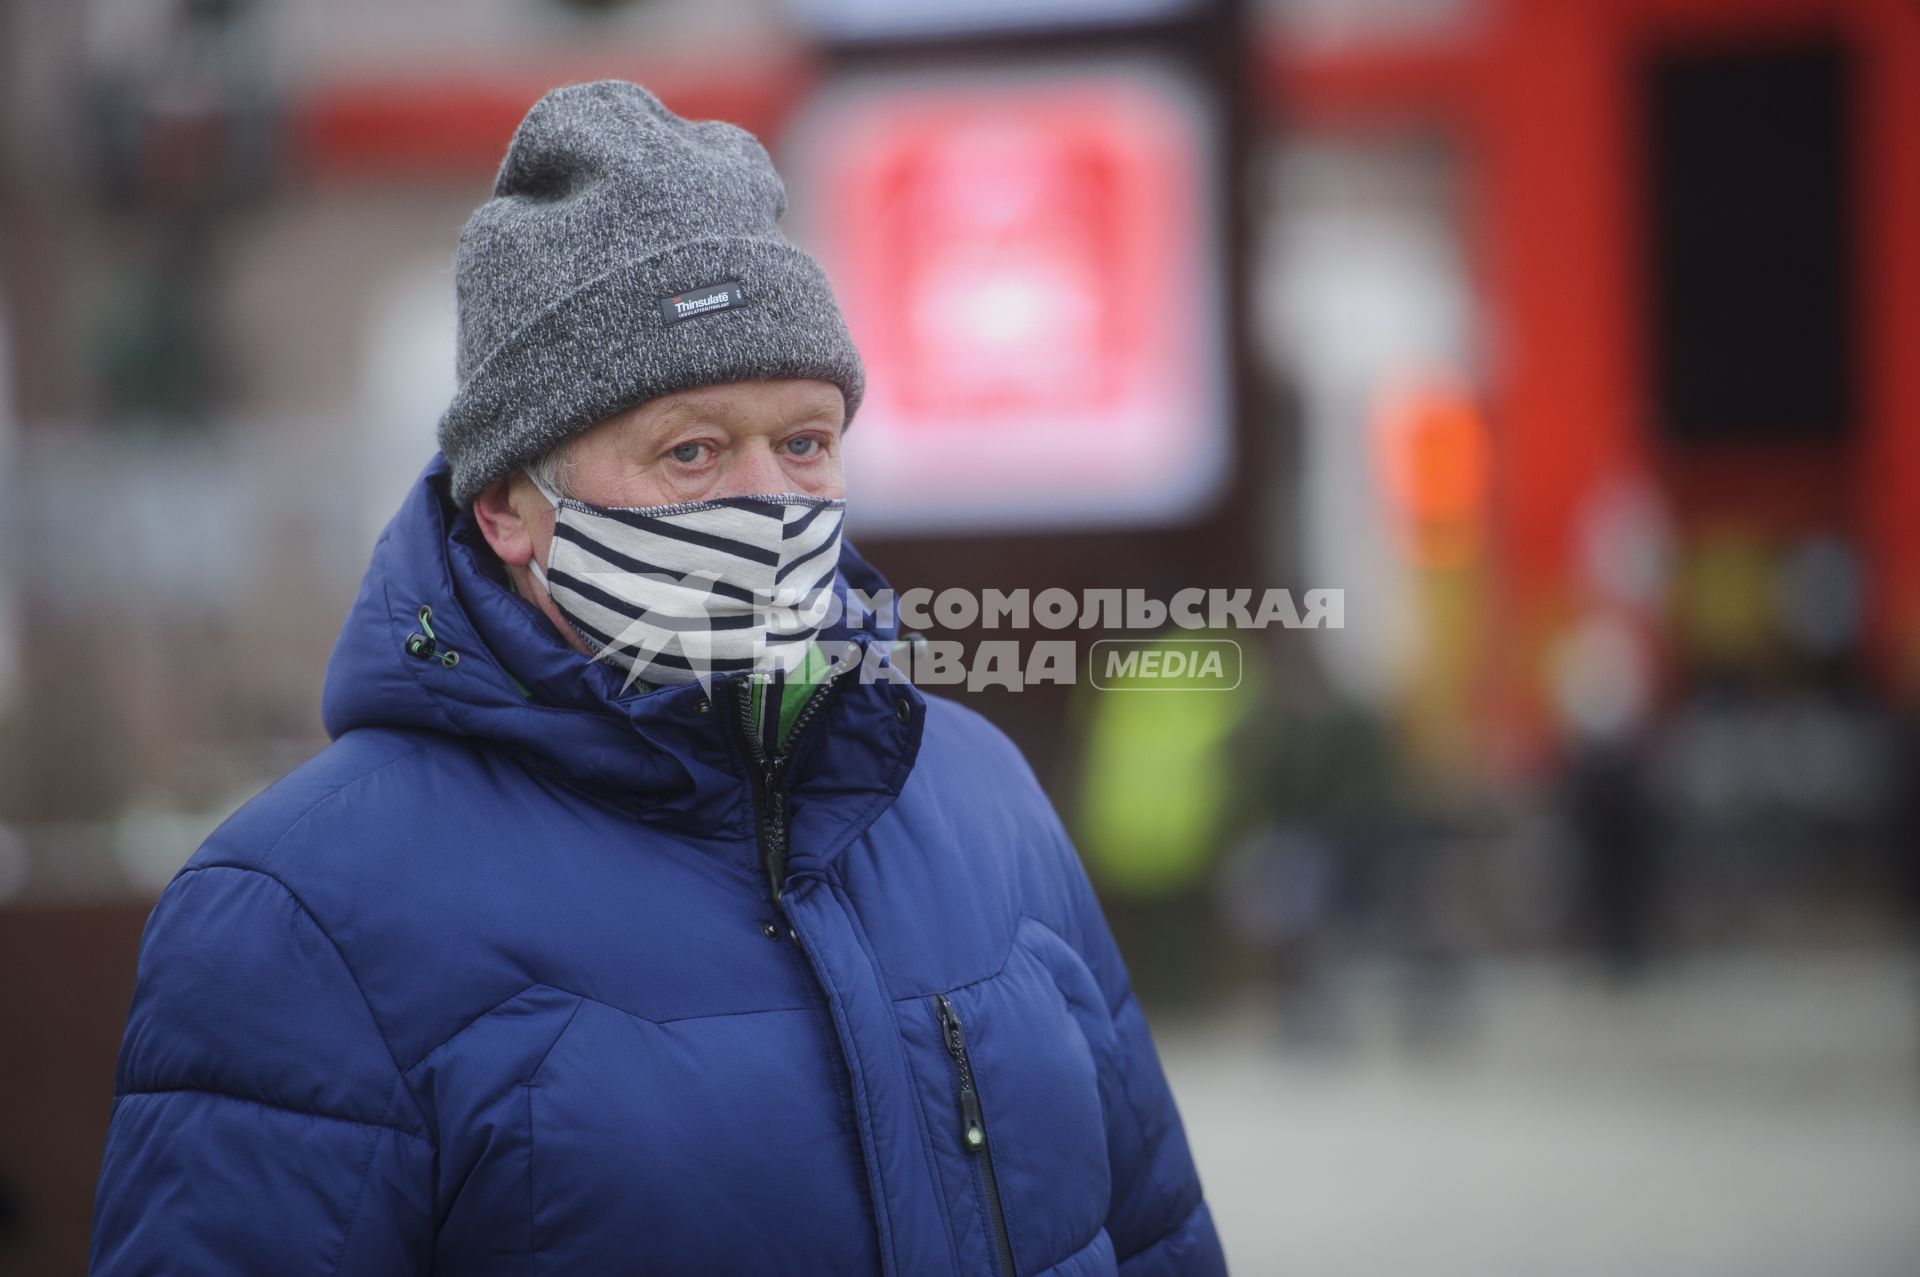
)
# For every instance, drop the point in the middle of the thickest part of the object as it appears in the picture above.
(745, 401)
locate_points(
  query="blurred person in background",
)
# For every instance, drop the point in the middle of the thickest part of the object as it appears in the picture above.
(640, 916)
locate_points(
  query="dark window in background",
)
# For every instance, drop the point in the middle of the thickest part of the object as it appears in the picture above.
(1751, 188)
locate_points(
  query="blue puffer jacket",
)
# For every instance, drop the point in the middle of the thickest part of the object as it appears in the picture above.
(497, 983)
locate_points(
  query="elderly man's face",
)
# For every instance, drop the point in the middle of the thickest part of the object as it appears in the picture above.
(729, 440)
(717, 441)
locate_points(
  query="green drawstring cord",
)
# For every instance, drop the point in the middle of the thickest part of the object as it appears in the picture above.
(427, 646)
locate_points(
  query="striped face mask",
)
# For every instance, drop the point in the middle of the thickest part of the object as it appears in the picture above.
(679, 593)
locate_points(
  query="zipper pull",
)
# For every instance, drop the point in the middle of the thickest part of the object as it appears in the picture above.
(976, 1129)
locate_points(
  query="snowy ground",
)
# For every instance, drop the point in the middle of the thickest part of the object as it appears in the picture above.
(1742, 1117)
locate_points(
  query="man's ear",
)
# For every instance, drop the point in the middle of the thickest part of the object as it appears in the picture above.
(505, 511)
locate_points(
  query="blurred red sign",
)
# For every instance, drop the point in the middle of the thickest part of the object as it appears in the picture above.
(1029, 268)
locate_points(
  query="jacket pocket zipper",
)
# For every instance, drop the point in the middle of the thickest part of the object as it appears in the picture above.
(973, 1130)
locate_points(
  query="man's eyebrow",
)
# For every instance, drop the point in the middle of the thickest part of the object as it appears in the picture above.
(678, 413)
(726, 410)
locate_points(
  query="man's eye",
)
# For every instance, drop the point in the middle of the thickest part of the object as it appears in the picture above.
(688, 453)
(804, 446)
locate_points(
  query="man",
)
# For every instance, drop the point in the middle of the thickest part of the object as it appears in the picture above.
(599, 941)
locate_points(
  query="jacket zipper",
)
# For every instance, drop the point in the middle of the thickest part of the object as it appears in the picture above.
(973, 1130)
(770, 783)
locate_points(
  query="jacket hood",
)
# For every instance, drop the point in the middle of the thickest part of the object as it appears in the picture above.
(667, 751)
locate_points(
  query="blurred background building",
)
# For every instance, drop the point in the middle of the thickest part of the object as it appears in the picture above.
(1553, 915)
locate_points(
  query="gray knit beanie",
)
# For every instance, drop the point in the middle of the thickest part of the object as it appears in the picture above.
(626, 253)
